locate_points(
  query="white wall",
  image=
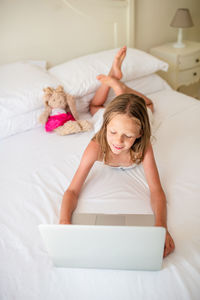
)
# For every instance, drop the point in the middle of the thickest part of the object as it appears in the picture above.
(154, 16)
(58, 30)
(20, 29)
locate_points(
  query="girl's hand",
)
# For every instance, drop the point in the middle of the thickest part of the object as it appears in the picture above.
(169, 244)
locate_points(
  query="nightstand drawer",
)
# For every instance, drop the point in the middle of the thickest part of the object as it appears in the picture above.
(189, 61)
(189, 76)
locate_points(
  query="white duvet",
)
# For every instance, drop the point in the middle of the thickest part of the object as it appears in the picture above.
(36, 168)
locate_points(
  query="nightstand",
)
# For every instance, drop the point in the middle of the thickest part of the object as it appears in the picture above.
(184, 63)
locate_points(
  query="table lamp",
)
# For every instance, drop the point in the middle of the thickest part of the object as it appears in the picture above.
(182, 19)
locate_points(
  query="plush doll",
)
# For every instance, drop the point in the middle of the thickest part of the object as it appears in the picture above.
(60, 113)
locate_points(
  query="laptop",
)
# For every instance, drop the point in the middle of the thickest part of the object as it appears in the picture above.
(102, 241)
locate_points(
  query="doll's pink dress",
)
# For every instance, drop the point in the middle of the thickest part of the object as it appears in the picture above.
(57, 118)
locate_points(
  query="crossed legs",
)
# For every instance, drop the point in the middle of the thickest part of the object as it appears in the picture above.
(113, 81)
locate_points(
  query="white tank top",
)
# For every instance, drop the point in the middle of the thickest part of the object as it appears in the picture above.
(124, 168)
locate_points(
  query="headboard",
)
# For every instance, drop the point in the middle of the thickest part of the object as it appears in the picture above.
(59, 30)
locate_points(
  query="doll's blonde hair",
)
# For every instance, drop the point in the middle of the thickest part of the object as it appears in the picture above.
(134, 107)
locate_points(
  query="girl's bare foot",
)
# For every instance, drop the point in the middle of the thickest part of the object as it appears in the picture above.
(118, 87)
(115, 70)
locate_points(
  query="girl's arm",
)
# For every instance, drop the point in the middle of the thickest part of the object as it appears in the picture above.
(158, 199)
(70, 197)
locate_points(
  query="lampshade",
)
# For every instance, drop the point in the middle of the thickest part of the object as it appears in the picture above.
(182, 18)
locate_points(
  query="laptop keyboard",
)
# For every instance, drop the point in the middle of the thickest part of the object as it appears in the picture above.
(113, 219)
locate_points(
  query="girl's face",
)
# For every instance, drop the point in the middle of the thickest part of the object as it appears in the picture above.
(122, 131)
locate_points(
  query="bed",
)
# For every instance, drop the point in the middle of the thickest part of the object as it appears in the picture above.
(36, 166)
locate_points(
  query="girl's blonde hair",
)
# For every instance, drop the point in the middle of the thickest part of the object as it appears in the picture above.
(134, 107)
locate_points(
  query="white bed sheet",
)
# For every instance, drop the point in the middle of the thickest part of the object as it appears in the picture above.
(36, 168)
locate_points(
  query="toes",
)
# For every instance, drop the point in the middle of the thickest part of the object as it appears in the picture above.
(121, 52)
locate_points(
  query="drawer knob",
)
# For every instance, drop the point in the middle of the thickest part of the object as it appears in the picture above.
(197, 60)
(195, 73)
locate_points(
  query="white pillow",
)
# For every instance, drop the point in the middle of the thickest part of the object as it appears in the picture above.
(78, 76)
(40, 63)
(20, 123)
(21, 88)
(146, 85)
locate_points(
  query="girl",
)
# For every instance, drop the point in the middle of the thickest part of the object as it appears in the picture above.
(123, 140)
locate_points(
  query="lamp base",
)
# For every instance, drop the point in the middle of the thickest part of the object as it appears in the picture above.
(178, 45)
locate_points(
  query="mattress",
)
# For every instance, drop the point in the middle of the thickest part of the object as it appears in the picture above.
(37, 167)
